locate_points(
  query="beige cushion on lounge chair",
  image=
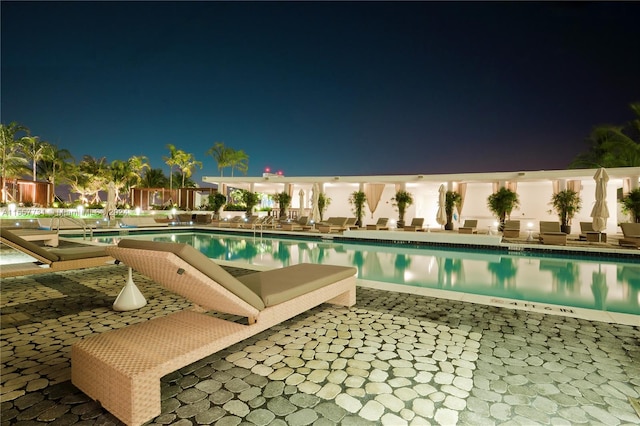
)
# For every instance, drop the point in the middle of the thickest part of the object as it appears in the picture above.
(631, 232)
(279, 285)
(416, 224)
(550, 234)
(469, 227)
(58, 259)
(381, 224)
(511, 229)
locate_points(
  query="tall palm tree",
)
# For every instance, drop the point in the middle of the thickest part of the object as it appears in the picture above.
(154, 178)
(34, 149)
(171, 161)
(186, 163)
(13, 163)
(612, 146)
(55, 163)
(239, 160)
(222, 155)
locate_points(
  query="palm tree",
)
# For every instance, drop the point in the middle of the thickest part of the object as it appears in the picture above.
(357, 200)
(34, 149)
(186, 163)
(612, 146)
(239, 160)
(402, 200)
(154, 178)
(222, 155)
(502, 204)
(55, 163)
(172, 160)
(12, 160)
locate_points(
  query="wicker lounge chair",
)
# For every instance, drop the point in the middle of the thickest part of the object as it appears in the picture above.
(141, 222)
(511, 229)
(631, 235)
(47, 236)
(415, 225)
(587, 233)
(550, 234)
(380, 225)
(298, 225)
(469, 227)
(122, 368)
(229, 223)
(333, 224)
(51, 260)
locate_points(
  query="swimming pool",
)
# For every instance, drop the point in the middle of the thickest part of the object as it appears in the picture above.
(601, 284)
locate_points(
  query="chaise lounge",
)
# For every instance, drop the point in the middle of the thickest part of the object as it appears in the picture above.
(550, 234)
(511, 229)
(469, 227)
(48, 236)
(51, 260)
(381, 225)
(415, 225)
(122, 368)
(631, 234)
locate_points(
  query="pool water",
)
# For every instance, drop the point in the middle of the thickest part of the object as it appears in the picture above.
(605, 284)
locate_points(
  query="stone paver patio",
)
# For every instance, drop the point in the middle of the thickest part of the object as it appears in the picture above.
(392, 359)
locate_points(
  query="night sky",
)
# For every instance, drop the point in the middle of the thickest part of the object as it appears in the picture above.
(323, 88)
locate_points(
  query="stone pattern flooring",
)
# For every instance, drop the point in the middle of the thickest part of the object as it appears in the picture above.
(392, 359)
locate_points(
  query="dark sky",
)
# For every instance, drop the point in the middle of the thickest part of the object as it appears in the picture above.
(323, 88)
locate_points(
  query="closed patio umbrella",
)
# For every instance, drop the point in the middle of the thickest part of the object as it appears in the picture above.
(600, 212)
(441, 216)
(315, 216)
(302, 203)
(110, 207)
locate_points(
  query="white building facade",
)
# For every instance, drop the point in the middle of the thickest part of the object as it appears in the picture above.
(534, 189)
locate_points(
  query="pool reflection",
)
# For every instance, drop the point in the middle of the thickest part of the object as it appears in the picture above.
(611, 285)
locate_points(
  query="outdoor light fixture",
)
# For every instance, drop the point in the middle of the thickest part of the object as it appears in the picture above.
(138, 211)
(12, 209)
(529, 230)
(80, 209)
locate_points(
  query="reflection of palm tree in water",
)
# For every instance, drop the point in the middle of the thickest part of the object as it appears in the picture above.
(599, 288)
(283, 253)
(400, 265)
(450, 270)
(631, 275)
(503, 272)
(563, 274)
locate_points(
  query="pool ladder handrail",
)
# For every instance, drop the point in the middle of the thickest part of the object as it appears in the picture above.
(77, 221)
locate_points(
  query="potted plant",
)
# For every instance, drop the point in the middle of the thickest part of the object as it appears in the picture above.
(250, 200)
(216, 201)
(323, 204)
(401, 201)
(452, 200)
(357, 200)
(284, 201)
(566, 204)
(631, 204)
(502, 203)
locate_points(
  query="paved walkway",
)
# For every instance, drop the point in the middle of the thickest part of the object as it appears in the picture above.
(392, 359)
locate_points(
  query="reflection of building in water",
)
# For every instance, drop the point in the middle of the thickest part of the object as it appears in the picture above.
(630, 274)
(564, 275)
(503, 273)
